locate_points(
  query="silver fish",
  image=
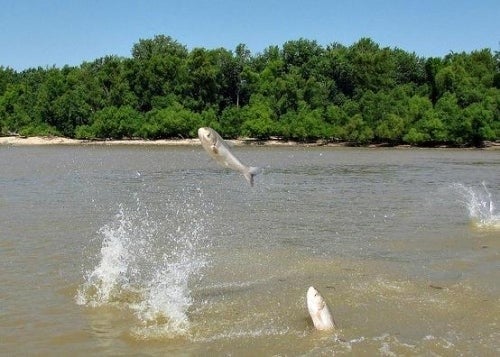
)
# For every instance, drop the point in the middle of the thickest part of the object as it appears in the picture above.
(318, 309)
(216, 147)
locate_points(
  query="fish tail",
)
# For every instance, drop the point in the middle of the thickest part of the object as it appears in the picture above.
(251, 173)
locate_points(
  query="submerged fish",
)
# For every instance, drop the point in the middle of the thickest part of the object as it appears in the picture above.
(318, 309)
(216, 147)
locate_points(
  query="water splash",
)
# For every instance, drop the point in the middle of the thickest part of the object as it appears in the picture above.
(111, 273)
(479, 203)
(146, 263)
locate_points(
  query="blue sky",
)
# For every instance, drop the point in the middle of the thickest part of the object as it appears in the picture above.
(57, 32)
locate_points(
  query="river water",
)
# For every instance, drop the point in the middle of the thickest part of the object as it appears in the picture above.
(154, 251)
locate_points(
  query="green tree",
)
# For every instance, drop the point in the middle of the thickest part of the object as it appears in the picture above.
(362, 93)
(112, 123)
(241, 70)
(373, 68)
(428, 130)
(205, 77)
(432, 66)
(7, 77)
(13, 113)
(336, 119)
(338, 67)
(172, 122)
(391, 129)
(230, 122)
(449, 116)
(258, 121)
(302, 55)
(304, 124)
(409, 68)
(158, 69)
(111, 86)
(358, 131)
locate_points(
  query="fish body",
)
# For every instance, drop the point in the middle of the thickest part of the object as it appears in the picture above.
(217, 148)
(318, 309)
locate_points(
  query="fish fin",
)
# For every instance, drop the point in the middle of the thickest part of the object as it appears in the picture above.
(250, 174)
(214, 149)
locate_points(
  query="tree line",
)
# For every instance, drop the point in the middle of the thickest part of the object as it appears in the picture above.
(301, 90)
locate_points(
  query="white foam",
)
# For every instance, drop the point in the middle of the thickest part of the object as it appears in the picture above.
(111, 272)
(153, 257)
(250, 333)
(479, 203)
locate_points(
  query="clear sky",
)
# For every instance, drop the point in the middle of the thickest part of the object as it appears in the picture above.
(57, 32)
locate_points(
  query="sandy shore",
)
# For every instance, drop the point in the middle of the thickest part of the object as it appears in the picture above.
(37, 140)
(53, 140)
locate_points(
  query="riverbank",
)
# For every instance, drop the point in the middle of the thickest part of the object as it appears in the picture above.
(55, 140)
(39, 140)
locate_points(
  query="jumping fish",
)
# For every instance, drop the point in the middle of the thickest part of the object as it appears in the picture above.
(216, 147)
(318, 309)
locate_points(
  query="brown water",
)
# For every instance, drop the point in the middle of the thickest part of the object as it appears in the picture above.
(124, 251)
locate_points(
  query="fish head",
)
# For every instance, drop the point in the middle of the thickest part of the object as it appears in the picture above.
(207, 136)
(315, 302)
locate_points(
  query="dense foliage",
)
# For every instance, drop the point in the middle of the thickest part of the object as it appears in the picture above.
(303, 91)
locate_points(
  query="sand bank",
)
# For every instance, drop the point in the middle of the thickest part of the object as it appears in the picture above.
(54, 140)
(37, 140)
(42, 140)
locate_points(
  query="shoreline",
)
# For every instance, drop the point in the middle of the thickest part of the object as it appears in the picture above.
(56, 140)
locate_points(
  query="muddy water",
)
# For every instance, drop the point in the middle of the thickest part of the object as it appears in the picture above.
(158, 251)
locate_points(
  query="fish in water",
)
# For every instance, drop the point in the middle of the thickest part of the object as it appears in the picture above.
(318, 309)
(216, 147)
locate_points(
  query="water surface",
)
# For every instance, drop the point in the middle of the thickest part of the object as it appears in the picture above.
(157, 250)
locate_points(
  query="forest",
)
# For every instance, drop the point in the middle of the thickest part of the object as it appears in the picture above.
(361, 94)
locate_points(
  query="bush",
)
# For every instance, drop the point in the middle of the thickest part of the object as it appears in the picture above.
(112, 122)
(171, 122)
(39, 129)
(257, 121)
